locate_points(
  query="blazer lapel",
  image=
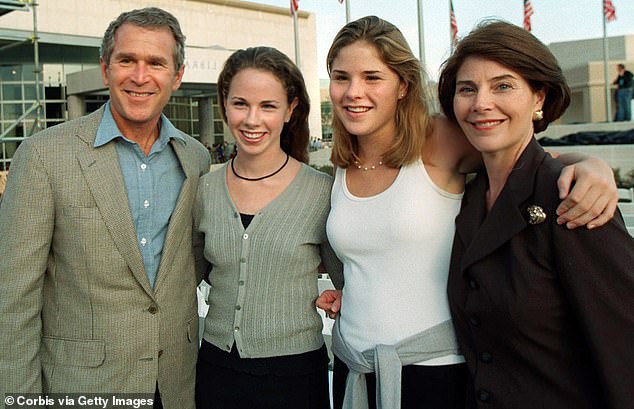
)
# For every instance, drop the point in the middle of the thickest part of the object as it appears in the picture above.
(103, 176)
(482, 233)
(182, 215)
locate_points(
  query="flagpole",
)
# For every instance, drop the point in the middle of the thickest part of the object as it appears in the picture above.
(608, 96)
(296, 37)
(347, 11)
(451, 41)
(421, 35)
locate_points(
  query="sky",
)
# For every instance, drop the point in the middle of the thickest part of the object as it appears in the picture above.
(552, 21)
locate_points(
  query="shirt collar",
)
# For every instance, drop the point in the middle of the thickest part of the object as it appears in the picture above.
(108, 130)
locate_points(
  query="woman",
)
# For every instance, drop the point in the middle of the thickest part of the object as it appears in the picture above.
(542, 313)
(397, 190)
(262, 218)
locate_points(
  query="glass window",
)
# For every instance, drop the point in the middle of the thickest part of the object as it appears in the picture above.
(11, 92)
(218, 128)
(10, 72)
(29, 92)
(11, 111)
(27, 72)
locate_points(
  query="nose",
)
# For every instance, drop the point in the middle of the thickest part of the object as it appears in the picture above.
(253, 117)
(482, 101)
(139, 73)
(354, 89)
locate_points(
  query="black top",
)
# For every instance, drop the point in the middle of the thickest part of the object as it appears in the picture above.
(287, 365)
(625, 80)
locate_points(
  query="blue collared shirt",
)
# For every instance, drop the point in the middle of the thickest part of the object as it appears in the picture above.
(153, 184)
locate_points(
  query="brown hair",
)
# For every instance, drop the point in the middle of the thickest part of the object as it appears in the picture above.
(518, 50)
(295, 134)
(413, 120)
(152, 18)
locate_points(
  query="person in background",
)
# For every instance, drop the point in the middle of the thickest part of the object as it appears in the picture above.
(543, 314)
(96, 258)
(261, 226)
(398, 185)
(623, 84)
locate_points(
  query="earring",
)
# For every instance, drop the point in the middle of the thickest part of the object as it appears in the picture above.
(538, 115)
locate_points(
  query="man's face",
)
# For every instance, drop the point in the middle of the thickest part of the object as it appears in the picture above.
(141, 75)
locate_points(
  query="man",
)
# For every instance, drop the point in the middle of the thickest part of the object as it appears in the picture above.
(98, 287)
(623, 94)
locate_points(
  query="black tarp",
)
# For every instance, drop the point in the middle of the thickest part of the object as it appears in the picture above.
(591, 138)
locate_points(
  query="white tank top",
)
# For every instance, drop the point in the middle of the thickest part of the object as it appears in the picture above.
(395, 248)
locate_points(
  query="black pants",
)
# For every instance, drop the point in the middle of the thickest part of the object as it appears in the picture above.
(226, 388)
(429, 387)
(158, 404)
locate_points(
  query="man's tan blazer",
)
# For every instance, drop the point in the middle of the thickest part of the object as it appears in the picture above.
(77, 313)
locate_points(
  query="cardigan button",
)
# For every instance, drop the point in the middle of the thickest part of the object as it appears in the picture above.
(475, 321)
(473, 284)
(483, 395)
(486, 357)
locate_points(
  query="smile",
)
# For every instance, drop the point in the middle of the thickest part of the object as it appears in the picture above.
(357, 109)
(139, 94)
(252, 135)
(486, 124)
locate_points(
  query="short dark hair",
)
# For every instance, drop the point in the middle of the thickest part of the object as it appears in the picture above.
(621, 66)
(296, 133)
(517, 49)
(151, 18)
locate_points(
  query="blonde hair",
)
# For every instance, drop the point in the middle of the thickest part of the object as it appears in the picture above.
(413, 120)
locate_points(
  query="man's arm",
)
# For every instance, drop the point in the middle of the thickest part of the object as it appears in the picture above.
(26, 227)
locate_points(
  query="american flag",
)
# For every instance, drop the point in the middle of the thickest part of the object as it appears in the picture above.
(453, 24)
(609, 10)
(528, 12)
(294, 6)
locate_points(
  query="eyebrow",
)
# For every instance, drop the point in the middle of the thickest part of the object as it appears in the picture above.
(365, 72)
(134, 56)
(497, 78)
(266, 101)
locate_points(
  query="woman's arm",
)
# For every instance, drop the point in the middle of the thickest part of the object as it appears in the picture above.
(331, 264)
(597, 277)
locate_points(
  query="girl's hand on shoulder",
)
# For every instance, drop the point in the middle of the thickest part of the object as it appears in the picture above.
(593, 198)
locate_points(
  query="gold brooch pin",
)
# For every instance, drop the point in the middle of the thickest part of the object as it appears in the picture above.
(536, 214)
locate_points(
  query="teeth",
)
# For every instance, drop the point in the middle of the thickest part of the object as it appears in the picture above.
(487, 124)
(252, 135)
(139, 94)
(358, 109)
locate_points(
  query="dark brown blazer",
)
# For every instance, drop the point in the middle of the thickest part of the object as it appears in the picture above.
(543, 314)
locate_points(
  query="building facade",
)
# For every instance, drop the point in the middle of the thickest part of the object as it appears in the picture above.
(582, 63)
(67, 35)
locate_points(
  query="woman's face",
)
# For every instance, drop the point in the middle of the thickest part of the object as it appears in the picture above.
(494, 106)
(257, 108)
(365, 91)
